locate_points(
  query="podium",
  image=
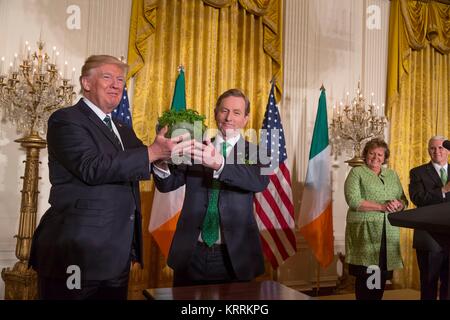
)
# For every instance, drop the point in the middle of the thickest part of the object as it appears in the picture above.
(434, 219)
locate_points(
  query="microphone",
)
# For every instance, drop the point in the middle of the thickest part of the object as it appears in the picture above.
(446, 144)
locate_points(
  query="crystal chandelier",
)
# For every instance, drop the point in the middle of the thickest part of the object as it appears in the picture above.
(32, 89)
(353, 124)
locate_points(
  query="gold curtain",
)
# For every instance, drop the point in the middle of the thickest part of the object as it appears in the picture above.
(222, 44)
(417, 96)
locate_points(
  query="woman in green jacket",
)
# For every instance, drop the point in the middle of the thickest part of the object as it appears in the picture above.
(372, 192)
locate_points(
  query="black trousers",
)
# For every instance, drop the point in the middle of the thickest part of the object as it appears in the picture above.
(362, 289)
(112, 289)
(433, 267)
(208, 265)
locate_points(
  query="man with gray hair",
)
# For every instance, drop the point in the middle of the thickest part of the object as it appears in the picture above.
(429, 185)
(87, 239)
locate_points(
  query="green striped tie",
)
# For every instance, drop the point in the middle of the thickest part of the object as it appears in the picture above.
(107, 121)
(210, 227)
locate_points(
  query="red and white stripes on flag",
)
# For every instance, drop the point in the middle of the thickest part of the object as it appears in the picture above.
(274, 206)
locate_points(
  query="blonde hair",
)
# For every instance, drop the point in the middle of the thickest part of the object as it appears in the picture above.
(96, 61)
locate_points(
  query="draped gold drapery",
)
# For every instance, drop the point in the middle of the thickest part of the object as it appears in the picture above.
(222, 44)
(417, 95)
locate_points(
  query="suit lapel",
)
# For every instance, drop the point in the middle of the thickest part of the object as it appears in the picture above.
(98, 122)
(433, 174)
(123, 134)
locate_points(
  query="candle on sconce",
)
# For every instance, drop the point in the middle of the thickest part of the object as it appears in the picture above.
(73, 76)
(28, 53)
(56, 59)
(347, 96)
(341, 108)
(24, 52)
(65, 69)
(15, 62)
(53, 55)
(371, 97)
(10, 67)
(2, 65)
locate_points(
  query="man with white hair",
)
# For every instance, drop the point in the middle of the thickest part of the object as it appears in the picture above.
(429, 185)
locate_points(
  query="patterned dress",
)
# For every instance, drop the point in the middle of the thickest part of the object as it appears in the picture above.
(364, 229)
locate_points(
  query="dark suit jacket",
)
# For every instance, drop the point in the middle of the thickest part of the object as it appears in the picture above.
(424, 190)
(239, 230)
(94, 216)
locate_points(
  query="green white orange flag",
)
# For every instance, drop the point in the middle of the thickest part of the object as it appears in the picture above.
(316, 219)
(166, 207)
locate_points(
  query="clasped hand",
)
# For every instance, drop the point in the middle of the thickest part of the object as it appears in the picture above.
(198, 153)
(393, 206)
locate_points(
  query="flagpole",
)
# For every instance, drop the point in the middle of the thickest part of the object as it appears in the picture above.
(318, 279)
(274, 274)
(275, 271)
(322, 88)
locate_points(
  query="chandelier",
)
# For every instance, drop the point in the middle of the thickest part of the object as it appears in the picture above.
(352, 124)
(32, 89)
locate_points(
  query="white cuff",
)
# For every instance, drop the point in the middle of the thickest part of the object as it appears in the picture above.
(161, 173)
(217, 172)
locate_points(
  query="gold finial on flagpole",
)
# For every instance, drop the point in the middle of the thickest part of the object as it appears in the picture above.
(273, 80)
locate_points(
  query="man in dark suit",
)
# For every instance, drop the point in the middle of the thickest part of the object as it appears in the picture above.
(87, 239)
(217, 238)
(429, 185)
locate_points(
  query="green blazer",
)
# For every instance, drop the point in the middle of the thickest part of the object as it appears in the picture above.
(364, 229)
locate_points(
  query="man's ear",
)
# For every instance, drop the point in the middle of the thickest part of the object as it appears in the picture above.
(247, 117)
(86, 83)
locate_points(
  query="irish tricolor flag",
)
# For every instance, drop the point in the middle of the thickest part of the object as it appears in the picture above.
(166, 207)
(316, 220)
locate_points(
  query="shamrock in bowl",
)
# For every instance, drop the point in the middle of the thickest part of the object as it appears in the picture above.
(181, 122)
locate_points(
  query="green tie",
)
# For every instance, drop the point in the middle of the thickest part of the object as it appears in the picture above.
(443, 176)
(210, 227)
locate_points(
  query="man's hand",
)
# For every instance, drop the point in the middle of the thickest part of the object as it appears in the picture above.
(161, 148)
(207, 155)
(446, 188)
(182, 152)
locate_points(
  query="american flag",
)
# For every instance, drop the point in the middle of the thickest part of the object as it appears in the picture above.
(274, 206)
(122, 112)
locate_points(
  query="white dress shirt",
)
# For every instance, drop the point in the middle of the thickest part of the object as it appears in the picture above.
(102, 116)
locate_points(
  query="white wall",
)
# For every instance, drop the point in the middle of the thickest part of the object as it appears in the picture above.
(104, 26)
(326, 42)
